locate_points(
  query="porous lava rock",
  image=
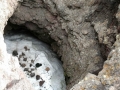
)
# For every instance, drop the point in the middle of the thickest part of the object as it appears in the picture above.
(11, 75)
(109, 77)
(81, 32)
(64, 22)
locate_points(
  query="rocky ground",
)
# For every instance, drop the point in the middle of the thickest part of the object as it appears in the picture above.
(85, 35)
(108, 78)
(11, 76)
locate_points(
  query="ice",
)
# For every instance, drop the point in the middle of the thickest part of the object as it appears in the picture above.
(40, 64)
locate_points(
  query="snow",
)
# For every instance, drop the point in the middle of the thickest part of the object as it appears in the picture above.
(37, 60)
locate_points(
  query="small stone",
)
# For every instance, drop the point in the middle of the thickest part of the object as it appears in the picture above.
(30, 65)
(26, 69)
(23, 65)
(37, 77)
(85, 32)
(41, 83)
(25, 48)
(25, 59)
(32, 61)
(23, 54)
(47, 69)
(38, 65)
(15, 53)
(29, 71)
(20, 56)
(32, 74)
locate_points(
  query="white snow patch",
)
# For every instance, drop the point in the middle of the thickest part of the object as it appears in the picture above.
(40, 64)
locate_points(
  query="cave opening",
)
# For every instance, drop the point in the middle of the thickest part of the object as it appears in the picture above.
(42, 66)
(34, 26)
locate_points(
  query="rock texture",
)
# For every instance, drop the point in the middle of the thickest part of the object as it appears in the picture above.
(11, 75)
(66, 22)
(82, 32)
(109, 77)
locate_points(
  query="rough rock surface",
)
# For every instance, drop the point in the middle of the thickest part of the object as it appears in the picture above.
(109, 77)
(82, 32)
(65, 21)
(11, 75)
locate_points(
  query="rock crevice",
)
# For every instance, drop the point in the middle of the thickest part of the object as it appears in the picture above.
(81, 32)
